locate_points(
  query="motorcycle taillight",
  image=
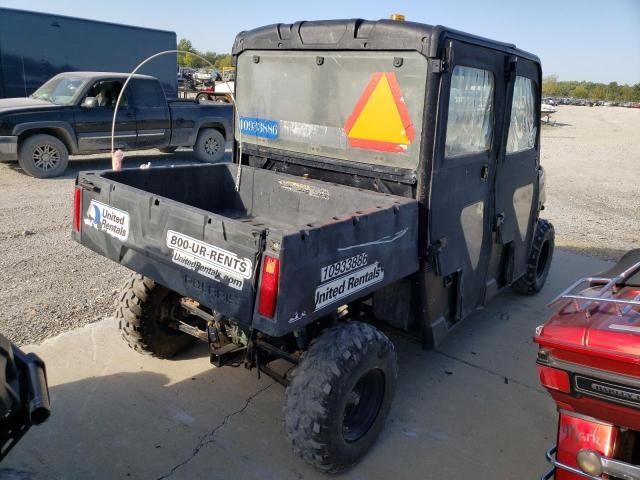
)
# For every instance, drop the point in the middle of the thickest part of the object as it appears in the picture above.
(576, 433)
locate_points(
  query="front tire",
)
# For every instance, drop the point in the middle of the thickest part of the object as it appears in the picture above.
(43, 156)
(209, 146)
(340, 396)
(145, 318)
(539, 261)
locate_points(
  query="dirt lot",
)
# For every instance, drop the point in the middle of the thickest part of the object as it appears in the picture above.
(50, 284)
(592, 161)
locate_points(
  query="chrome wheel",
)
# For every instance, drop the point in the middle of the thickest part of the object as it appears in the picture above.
(46, 157)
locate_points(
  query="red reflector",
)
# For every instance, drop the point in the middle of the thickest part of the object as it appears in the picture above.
(554, 378)
(578, 433)
(77, 208)
(269, 286)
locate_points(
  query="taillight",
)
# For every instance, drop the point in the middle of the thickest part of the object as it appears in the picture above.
(578, 436)
(269, 286)
(77, 208)
(554, 378)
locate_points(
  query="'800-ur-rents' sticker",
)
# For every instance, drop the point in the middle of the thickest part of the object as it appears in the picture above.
(213, 262)
(105, 218)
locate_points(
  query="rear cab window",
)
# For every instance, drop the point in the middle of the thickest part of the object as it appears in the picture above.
(355, 106)
(470, 115)
(523, 127)
(147, 93)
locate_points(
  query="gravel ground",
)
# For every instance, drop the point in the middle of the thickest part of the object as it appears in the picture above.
(50, 284)
(592, 160)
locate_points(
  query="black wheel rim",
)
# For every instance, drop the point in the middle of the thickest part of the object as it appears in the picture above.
(211, 146)
(543, 260)
(363, 405)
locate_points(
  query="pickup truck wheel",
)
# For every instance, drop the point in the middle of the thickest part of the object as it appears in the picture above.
(539, 260)
(209, 146)
(43, 156)
(145, 318)
(340, 395)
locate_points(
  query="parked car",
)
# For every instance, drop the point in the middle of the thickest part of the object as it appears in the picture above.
(589, 361)
(398, 200)
(72, 113)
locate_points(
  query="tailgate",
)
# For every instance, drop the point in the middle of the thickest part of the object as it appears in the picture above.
(199, 254)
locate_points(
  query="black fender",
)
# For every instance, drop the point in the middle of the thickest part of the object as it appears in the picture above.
(62, 130)
(222, 123)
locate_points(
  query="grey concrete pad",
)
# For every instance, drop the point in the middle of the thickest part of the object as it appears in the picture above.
(471, 409)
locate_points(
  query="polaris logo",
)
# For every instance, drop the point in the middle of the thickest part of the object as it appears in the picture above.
(610, 391)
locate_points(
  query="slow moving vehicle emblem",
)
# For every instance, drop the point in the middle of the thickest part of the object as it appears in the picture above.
(380, 120)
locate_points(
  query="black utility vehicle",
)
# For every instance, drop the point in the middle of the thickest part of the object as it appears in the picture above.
(72, 114)
(386, 174)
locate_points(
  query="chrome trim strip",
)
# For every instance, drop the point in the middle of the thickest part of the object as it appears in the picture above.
(159, 134)
(593, 372)
(610, 397)
(107, 137)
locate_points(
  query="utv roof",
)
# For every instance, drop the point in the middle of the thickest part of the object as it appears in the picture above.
(359, 34)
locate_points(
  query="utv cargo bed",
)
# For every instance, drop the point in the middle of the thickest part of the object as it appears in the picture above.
(190, 230)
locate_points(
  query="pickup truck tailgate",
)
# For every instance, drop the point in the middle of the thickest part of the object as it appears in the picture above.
(190, 230)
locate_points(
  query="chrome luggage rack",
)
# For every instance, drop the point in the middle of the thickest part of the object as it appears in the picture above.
(609, 286)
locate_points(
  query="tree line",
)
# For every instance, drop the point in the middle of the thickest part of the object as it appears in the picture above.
(594, 91)
(218, 60)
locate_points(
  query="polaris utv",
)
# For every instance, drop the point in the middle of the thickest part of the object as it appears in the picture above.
(385, 175)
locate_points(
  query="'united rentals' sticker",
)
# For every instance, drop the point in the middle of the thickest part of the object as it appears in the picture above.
(208, 260)
(107, 219)
(347, 284)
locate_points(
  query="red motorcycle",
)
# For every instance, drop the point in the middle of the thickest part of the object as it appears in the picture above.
(589, 361)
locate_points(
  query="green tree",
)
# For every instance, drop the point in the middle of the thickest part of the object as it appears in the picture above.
(580, 92)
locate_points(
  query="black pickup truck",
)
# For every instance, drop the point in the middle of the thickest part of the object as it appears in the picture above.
(72, 114)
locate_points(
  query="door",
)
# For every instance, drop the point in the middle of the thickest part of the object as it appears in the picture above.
(517, 178)
(152, 114)
(470, 115)
(93, 124)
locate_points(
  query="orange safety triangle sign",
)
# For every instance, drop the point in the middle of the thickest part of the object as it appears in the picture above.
(380, 120)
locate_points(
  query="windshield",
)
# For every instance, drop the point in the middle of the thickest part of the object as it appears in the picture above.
(364, 107)
(61, 90)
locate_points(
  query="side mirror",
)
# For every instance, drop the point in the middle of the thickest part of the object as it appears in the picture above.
(89, 102)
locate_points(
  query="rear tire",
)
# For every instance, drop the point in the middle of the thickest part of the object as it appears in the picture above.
(209, 146)
(340, 395)
(43, 156)
(144, 318)
(539, 260)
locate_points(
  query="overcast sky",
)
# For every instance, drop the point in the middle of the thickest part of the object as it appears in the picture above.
(576, 39)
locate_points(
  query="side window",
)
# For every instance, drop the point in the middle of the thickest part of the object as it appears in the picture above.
(470, 118)
(522, 127)
(106, 93)
(148, 93)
